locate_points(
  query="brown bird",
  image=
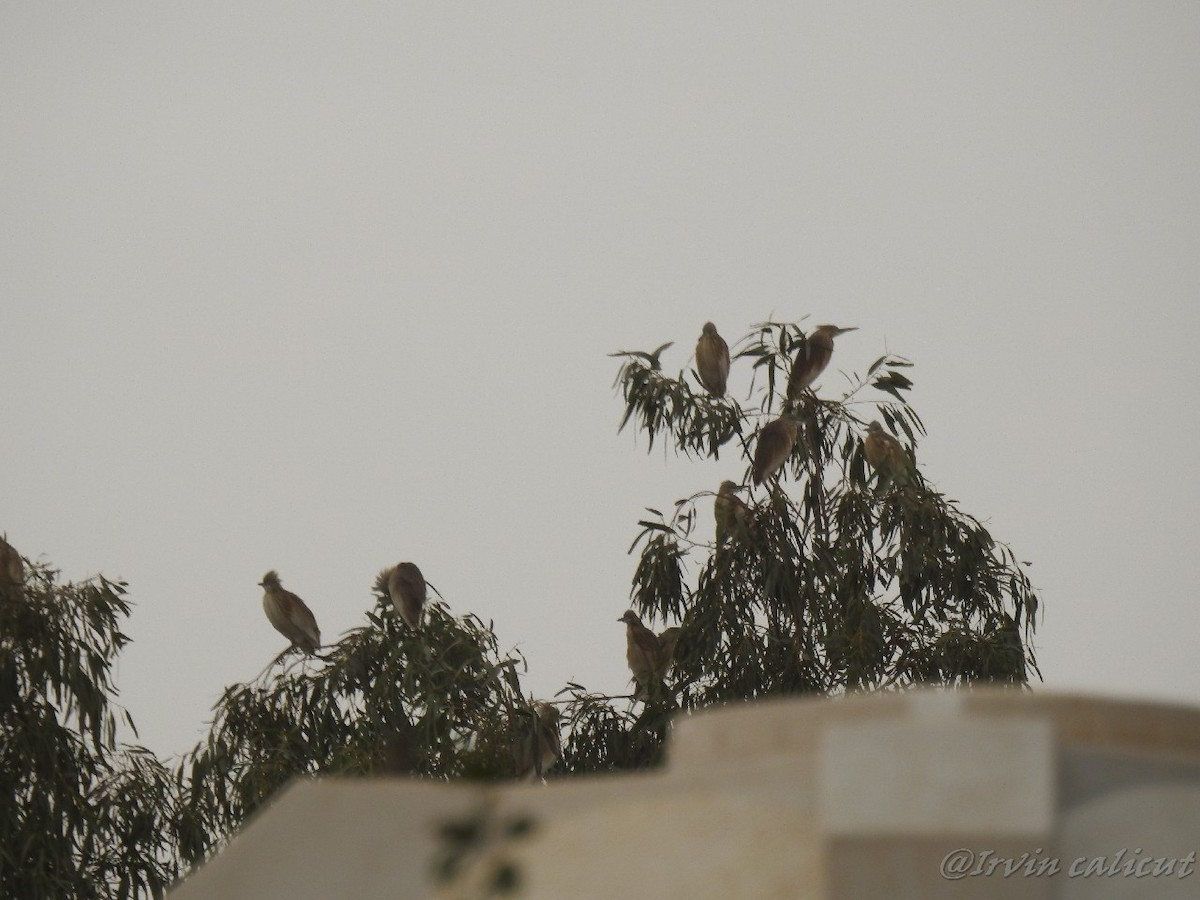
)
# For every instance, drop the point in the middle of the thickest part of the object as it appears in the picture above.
(712, 360)
(812, 358)
(643, 652)
(730, 511)
(886, 455)
(406, 587)
(539, 745)
(775, 443)
(289, 614)
(12, 568)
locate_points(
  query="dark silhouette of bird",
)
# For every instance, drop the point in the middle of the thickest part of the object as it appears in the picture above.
(538, 745)
(886, 455)
(12, 569)
(730, 511)
(775, 443)
(289, 614)
(406, 587)
(1006, 659)
(812, 358)
(712, 360)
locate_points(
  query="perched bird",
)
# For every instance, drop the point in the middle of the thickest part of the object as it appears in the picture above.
(406, 587)
(289, 614)
(400, 750)
(538, 746)
(886, 455)
(12, 568)
(712, 360)
(775, 443)
(1008, 659)
(812, 358)
(643, 652)
(730, 511)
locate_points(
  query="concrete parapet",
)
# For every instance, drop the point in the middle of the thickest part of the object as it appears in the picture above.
(922, 794)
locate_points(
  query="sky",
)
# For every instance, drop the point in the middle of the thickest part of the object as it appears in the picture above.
(324, 288)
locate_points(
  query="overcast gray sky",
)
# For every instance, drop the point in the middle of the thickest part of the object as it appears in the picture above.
(323, 288)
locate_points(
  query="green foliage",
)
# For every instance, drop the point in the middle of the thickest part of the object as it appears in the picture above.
(82, 816)
(841, 578)
(381, 700)
(836, 577)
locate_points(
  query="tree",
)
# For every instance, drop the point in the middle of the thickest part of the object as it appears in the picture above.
(442, 703)
(837, 577)
(845, 570)
(82, 816)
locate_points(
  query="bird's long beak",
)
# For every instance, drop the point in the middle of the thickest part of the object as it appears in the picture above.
(844, 330)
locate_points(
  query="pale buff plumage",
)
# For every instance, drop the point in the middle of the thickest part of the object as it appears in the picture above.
(712, 360)
(406, 586)
(775, 443)
(289, 614)
(812, 358)
(650, 656)
(643, 652)
(886, 455)
(538, 744)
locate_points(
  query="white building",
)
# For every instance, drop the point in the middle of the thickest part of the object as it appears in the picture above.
(925, 794)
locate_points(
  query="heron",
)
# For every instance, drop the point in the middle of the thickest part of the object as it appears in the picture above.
(775, 443)
(712, 360)
(539, 746)
(812, 358)
(289, 614)
(886, 455)
(406, 587)
(643, 652)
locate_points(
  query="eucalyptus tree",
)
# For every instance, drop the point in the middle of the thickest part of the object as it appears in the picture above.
(441, 702)
(841, 567)
(82, 815)
(833, 575)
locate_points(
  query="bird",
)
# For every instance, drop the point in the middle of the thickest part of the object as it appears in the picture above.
(730, 511)
(886, 455)
(539, 745)
(1009, 660)
(12, 568)
(643, 651)
(648, 657)
(812, 358)
(712, 360)
(775, 443)
(406, 587)
(289, 614)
